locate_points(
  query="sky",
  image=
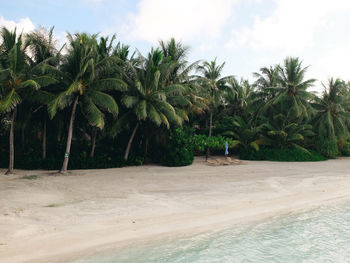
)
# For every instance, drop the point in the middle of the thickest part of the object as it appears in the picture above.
(245, 34)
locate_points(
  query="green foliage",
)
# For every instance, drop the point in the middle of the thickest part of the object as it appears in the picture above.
(201, 142)
(183, 141)
(332, 119)
(328, 147)
(80, 161)
(134, 102)
(284, 134)
(346, 149)
(281, 155)
(180, 150)
(246, 134)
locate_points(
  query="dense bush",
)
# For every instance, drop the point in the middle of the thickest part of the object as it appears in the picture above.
(183, 141)
(281, 155)
(75, 162)
(328, 147)
(180, 149)
(346, 149)
(201, 142)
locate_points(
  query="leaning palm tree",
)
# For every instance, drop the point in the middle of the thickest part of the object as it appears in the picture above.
(16, 84)
(332, 119)
(292, 90)
(213, 87)
(84, 86)
(149, 94)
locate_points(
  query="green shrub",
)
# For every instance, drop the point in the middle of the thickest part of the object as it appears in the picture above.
(281, 155)
(201, 142)
(180, 149)
(328, 147)
(346, 149)
(76, 161)
(183, 141)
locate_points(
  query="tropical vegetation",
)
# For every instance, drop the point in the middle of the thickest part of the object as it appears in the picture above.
(93, 103)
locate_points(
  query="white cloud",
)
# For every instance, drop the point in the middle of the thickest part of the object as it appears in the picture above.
(24, 24)
(291, 26)
(182, 19)
(333, 64)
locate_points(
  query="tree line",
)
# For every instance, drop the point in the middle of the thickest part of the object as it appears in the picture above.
(94, 94)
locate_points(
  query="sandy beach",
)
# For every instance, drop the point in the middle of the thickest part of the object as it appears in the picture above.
(54, 218)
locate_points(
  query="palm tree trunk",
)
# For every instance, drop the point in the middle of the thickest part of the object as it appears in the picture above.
(130, 141)
(12, 148)
(93, 141)
(146, 145)
(44, 140)
(210, 131)
(69, 138)
(22, 136)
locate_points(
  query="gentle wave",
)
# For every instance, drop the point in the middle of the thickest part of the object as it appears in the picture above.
(319, 235)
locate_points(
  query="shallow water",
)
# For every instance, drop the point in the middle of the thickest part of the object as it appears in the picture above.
(319, 235)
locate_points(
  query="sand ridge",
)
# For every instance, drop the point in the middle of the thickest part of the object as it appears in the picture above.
(52, 218)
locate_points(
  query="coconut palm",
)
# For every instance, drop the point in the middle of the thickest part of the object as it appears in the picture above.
(213, 87)
(266, 82)
(149, 93)
(15, 81)
(43, 49)
(246, 134)
(84, 82)
(279, 132)
(332, 118)
(292, 90)
(239, 97)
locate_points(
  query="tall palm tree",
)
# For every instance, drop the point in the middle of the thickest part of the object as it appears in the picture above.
(84, 85)
(213, 87)
(175, 57)
(149, 94)
(105, 51)
(15, 81)
(43, 49)
(332, 118)
(292, 90)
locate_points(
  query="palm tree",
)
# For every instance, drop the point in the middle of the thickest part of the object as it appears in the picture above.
(149, 94)
(43, 49)
(15, 81)
(239, 97)
(84, 85)
(174, 56)
(279, 132)
(332, 118)
(292, 90)
(213, 87)
(246, 134)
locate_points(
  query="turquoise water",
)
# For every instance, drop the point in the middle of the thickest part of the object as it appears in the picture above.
(319, 235)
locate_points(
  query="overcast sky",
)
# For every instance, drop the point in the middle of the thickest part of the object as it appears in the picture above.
(247, 34)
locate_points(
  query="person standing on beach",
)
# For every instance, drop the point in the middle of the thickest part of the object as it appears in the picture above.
(226, 148)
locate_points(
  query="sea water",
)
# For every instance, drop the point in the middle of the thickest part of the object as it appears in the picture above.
(319, 235)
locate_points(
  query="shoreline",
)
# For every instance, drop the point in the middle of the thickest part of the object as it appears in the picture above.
(102, 210)
(155, 239)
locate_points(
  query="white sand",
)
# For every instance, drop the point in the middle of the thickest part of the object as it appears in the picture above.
(53, 218)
